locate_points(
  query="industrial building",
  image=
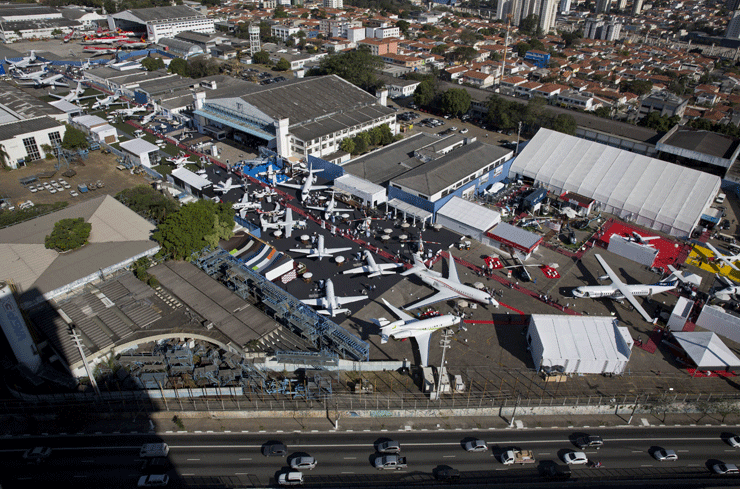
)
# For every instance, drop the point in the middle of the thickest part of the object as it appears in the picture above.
(160, 22)
(700, 149)
(23, 140)
(32, 21)
(652, 192)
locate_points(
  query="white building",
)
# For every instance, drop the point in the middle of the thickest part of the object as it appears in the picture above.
(140, 151)
(733, 27)
(338, 4)
(162, 22)
(284, 31)
(382, 32)
(579, 344)
(97, 127)
(467, 218)
(23, 140)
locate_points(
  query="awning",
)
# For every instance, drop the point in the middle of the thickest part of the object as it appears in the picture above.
(409, 210)
(707, 350)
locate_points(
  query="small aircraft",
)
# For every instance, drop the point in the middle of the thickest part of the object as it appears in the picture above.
(26, 62)
(320, 252)
(330, 208)
(307, 187)
(373, 268)
(636, 238)
(618, 290)
(178, 160)
(726, 259)
(731, 291)
(73, 95)
(32, 75)
(99, 51)
(331, 303)
(270, 174)
(106, 101)
(287, 224)
(224, 187)
(410, 327)
(129, 111)
(419, 243)
(104, 39)
(129, 44)
(245, 205)
(448, 288)
(49, 81)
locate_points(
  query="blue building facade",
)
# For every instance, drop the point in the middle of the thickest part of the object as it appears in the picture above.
(539, 58)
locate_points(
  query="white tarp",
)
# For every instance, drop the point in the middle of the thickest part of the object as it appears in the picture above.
(654, 193)
(707, 350)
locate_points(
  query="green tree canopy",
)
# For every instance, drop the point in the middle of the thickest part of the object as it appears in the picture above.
(638, 87)
(663, 124)
(68, 234)
(564, 123)
(147, 202)
(357, 67)
(361, 144)
(464, 53)
(282, 65)
(200, 67)
(530, 25)
(403, 26)
(180, 67)
(280, 13)
(348, 145)
(424, 93)
(195, 226)
(455, 101)
(74, 139)
(152, 64)
(261, 57)
(440, 49)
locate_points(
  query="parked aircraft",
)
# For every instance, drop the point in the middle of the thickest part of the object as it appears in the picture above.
(618, 290)
(129, 111)
(287, 224)
(307, 187)
(331, 303)
(178, 160)
(270, 174)
(99, 50)
(448, 288)
(330, 208)
(731, 291)
(26, 62)
(224, 187)
(643, 240)
(373, 268)
(410, 327)
(49, 81)
(73, 95)
(106, 101)
(320, 252)
(245, 205)
(726, 259)
(31, 75)
(131, 44)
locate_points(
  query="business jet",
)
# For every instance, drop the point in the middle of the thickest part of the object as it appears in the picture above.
(643, 240)
(331, 303)
(270, 174)
(373, 268)
(129, 111)
(287, 224)
(731, 290)
(307, 187)
(25, 62)
(106, 101)
(410, 327)
(266, 193)
(224, 187)
(448, 288)
(49, 81)
(320, 252)
(618, 290)
(73, 95)
(246, 205)
(178, 160)
(726, 259)
(32, 75)
(330, 208)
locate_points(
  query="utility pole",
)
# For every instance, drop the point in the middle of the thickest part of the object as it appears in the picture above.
(518, 133)
(78, 343)
(513, 415)
(445, 344)
(637, 399)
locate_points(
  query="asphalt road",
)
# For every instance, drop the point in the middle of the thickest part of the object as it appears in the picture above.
(229, 460)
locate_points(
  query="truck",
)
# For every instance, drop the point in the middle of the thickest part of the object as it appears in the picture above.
(82, 188)
(385, 462)
(517, 456)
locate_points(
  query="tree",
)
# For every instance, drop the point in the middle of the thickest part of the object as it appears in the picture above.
(440, 49)
(424, 93)
(152, 64)
(564, 123)
(280, 13)
(467, 37)
(403, 26)
(148, 203)
(522, 48)
(530, 25)
(464, 53)
(361, 144)
(200, 67)
(386, 136)
(455, 101)
(261, 58)
(282, 65)
(68, 234)
(662, 124)
(74, 139)
(357, 67)
(348, 145)
(179, 66)
(195, 226)
(638, 87)
(376, 136)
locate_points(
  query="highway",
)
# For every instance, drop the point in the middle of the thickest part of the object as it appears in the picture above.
(344, 458)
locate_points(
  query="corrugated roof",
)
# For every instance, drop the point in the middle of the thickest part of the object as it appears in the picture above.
(391, 161)
(23, 105)
(470, 214)
(165, 13)
(516, 235)
(13, 129)
(706, 142)
(139, 146)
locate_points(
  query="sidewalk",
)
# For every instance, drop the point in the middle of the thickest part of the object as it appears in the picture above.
(230, 422)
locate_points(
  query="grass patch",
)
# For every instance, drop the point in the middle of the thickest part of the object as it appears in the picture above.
(163, 169)
(8, 218)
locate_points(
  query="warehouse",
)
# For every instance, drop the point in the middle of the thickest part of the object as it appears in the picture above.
(579, 344)
(510, 239)
(467, 218)
(24, 140)
(160, 22)
(653, 193)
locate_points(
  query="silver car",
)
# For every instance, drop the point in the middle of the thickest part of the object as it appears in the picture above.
(475, 446)
(303, 463)
(664, 455)
(575, 458)
(389, 446)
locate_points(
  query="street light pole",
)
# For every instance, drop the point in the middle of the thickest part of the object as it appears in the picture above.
(445, 344)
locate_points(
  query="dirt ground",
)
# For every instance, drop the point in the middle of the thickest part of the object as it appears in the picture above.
(98, 166)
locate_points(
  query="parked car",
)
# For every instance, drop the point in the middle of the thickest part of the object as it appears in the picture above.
(664, 455)
(575, 458)
(464, 130)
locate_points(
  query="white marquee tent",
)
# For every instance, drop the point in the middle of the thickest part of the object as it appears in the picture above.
(656, 194)
(707, 350)
(467, 218)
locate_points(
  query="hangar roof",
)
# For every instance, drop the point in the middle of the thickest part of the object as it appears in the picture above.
(164, 14)
(470, 214)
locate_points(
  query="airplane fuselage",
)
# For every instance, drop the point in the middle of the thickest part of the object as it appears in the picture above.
(596, 291)
(462, 290)
(402, 329)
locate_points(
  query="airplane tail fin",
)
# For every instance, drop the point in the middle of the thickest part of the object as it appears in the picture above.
(419, 266)
(383, 338)
(381, 322)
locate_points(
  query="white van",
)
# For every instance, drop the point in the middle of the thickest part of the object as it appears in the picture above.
(720, 198)
(154, 450)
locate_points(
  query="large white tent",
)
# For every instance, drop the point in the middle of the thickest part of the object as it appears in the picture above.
(580, 344)
(707, 350)
(656, 194)
(467, 218)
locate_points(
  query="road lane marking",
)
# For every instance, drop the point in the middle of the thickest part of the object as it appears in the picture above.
(245, 459)
(449, 456)
(193, 460)
(350, 458)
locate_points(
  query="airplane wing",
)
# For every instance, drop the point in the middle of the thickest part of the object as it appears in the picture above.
(299, 250)
(362, 269)
(389, 266)
(312, 302)
(625, 292)
(291, 185)
(331, 251)
(348, 300)
(398, 312)
(721, 257)
(423, 341)
(440, 296)
(316, 208)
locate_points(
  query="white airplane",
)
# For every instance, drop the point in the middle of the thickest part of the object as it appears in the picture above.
(178, 160)
(410, 327)
(330, 208)
(49, 81)
(732, 290)
(373, 268)
(636, 238)
(224, 187)
(307, 187)
(270, 174)
(129, 111)
(320, 252)
(245, 205)
(105, 102)
(448, 288)
(286, 224)
(266, 193)
(331, 303)
(25, 62)
(618, 290)
(32, 75)
(73, 95)
(726, 259)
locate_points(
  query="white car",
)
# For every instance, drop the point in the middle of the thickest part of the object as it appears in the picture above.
(725, 469)
(52, 191)
(464, 130)
(73, 193)
(32, 189)
(734, 441)
(303, 463)
(664, 455)
(292, 478)
(475, 446)
(575, 458)
(154, 480)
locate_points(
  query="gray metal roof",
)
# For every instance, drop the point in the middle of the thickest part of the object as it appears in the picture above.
(23, 105)
(516, 235)
(459, 163)
(385, 164)
(165, 13)
(179, 44)
(9, 10)
(24, 25)
(13, 129)
(337, 122)
(705, 142)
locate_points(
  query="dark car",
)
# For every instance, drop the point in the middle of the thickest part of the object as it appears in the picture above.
(274, 449)
(590, 442)
(155, 465)
(447, 474)
(556, 471)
